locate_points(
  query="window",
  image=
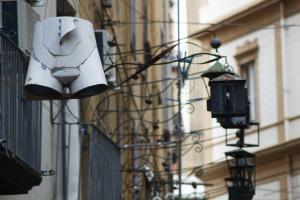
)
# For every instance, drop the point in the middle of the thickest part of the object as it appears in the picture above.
(246, 58)
(65, 8)
(248, 73)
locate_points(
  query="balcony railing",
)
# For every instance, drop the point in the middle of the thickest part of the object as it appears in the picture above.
(20, 119)
(104, 168)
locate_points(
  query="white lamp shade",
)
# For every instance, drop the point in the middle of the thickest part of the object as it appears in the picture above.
(91, 78)
(40, 82)
(65, 55)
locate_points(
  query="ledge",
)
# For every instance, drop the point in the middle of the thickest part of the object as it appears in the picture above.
(16, 177)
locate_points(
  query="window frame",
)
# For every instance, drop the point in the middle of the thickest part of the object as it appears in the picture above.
(245, 54)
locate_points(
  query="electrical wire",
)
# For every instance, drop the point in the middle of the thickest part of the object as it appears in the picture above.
(243, 25)
(133, 122)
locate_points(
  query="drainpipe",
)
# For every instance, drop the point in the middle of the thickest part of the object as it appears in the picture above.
(64, 149)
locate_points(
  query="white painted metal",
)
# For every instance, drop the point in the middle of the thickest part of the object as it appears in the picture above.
(90, 74)
(61, 43)
(38, 74)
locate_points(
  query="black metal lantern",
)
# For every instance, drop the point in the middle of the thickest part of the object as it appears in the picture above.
(236, 122)
(240, 123)
(228, 97)
(241, 183)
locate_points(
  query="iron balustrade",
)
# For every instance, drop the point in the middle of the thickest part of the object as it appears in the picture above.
(104, 168)
(20, 119)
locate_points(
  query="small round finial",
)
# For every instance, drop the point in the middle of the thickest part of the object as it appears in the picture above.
(215, 43)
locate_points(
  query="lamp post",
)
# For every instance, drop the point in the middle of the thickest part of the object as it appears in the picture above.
(229, 104)
(64, 64)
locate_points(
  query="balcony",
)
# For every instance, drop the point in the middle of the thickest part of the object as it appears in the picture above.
(20, 125)
(101, 171)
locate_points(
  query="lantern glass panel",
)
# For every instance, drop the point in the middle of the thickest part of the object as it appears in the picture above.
(228, 96)
(233, 122)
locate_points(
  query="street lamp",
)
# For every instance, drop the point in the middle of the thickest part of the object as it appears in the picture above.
(241, 183)
(228, 97)
(229, 103)
(65, 62)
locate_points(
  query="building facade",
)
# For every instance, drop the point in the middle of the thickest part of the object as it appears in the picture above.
(129, 136)
(132, 114)
(260, 42)
(36, 128)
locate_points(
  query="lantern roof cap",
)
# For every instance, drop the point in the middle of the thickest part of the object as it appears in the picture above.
(238, 153)
(227, 77)
(216, 70)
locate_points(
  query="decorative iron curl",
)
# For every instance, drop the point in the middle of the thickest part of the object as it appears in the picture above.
(190, 108)
(195, 144)
(199, 171)
(196, 137)
(198, 147)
